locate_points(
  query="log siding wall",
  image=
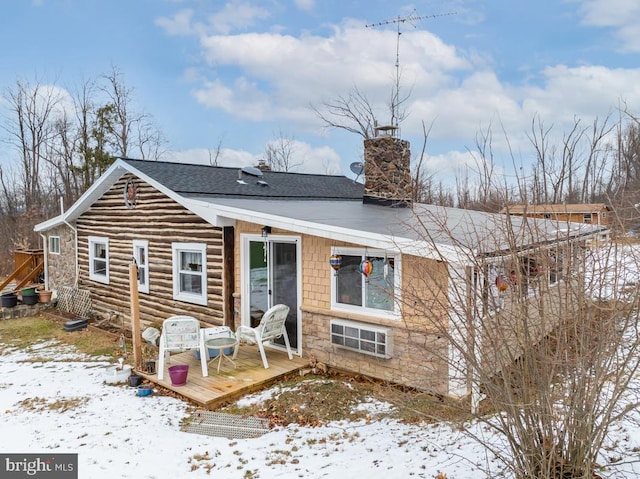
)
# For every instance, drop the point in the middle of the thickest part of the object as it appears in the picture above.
(161, 221)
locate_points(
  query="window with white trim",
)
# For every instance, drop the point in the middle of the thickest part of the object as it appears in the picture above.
(141, 255)
(99, 259)
(54, 244)
(190, 272)
(374, 293)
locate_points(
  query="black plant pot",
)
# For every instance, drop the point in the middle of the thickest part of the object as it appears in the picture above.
(135, 380)
(9, 300)
(29, 299)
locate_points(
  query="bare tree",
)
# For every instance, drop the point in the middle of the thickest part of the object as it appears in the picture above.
(540, 326)
(125, 129)
(62, 144)
(353, 113)
(33, 108)
(214, 155)
(279, 154)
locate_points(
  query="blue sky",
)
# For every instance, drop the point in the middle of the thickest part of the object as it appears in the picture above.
(242, 72)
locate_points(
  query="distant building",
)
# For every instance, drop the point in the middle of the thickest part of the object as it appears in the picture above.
(590, 213)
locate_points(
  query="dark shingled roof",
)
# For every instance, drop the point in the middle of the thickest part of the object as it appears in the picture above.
(217, 181)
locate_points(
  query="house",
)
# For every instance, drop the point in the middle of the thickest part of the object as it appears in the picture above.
(352, 261)
(590, 213)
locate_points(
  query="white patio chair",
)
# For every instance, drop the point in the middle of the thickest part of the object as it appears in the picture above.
(179, 333)
(205, 335)
(272, 326)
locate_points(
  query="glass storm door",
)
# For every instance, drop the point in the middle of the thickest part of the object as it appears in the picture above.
(271, 266)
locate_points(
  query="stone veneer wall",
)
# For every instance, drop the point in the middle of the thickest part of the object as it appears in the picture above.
(387, 171)
(414, 362)
(61, 267)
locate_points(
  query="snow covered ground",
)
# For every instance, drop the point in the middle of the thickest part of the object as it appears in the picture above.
(65, 406)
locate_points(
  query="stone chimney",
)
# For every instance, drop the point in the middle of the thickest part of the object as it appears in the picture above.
(262, 165)
(387, 171)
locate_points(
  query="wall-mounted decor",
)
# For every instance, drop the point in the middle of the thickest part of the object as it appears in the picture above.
(130, 193)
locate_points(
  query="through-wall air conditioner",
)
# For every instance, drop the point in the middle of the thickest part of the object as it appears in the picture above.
(364, 338)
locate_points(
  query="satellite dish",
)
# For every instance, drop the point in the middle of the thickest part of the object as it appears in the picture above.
(357, 167)
(252, 170)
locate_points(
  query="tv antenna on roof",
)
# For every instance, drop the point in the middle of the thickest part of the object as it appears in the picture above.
(411, 19)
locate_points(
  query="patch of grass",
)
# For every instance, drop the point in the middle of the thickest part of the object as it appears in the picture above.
(25, 332)
(316, 400)
(59, 405)
(92, 343)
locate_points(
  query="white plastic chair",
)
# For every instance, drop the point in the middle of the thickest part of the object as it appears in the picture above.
(205, 335)
(272, 326)
(179, 333)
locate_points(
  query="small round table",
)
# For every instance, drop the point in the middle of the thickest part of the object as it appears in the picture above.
(221, 344)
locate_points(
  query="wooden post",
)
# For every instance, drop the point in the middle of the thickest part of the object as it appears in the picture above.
(135, 315)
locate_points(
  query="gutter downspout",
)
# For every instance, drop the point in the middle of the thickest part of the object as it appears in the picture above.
(46, 260)
(75, 240)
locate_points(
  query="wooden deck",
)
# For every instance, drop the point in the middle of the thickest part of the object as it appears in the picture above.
(248, 376)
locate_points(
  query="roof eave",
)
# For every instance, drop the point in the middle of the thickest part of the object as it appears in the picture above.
(223, 215)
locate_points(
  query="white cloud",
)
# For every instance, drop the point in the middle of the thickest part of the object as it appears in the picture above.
(282, 75)
(236, 14)
(621, 15)
(272, 76)
(582, 91)
(179, 24)
(306, 5)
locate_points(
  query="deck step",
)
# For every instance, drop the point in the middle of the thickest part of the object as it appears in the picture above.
(220, 424)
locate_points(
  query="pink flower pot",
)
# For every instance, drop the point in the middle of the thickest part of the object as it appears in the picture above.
(178, 374)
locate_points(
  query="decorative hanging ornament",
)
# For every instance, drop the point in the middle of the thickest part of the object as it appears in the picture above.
(502, 284)
(336, 262)
(366, 267)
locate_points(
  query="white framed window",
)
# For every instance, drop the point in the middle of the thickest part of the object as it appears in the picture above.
(54, 244)
(375, 294)
(190, 272)
(141, 255)
(99, 259)
(587, 218)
